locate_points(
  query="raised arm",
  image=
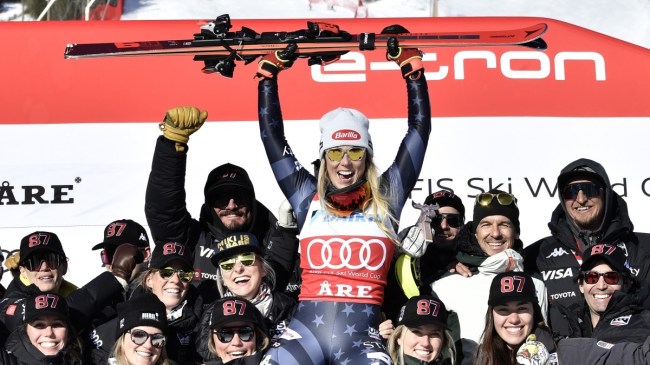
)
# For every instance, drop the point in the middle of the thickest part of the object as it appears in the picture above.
(401, 176)
(297, 184)
(165, 206)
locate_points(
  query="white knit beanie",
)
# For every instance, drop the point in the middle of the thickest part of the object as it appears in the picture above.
(344, 127)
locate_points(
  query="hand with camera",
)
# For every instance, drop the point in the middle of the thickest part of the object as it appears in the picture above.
(408, 59)
(532, 352)
(125, 259)
(271, 64)
(180, 122)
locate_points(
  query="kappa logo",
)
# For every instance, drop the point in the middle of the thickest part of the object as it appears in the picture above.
(621, 321)
(557, 253)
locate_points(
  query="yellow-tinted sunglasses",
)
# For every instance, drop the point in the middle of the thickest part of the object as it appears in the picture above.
(336, 154)
(505, 199)
(246, 259)
(168, 272)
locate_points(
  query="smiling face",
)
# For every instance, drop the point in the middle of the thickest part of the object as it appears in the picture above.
(513, 322)
(236, 347)
(233, 207)
(423, 342)
(444, 234)
(244, 281)
(145, 354)
(345, 172)
(45, 278)
(171, 291)
(598, 295)
(495, 234)
(49, 334)
(585, 211)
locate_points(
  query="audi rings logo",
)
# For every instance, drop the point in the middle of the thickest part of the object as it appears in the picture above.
(353, 254)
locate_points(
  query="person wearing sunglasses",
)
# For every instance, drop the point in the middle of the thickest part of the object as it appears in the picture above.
(46, 337)
(168, 278)
(515, 331)
(613, 309)
(347, 213)
(487, 246)
(237, 334)
(42, 265)
(243, 272)
(140, 333)
(413, 276)
(229, 204)
(422, 335)
(589, 212)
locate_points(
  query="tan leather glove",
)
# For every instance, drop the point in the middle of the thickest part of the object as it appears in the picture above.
(181, 122)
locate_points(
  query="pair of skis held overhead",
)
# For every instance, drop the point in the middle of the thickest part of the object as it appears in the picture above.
(219, 48)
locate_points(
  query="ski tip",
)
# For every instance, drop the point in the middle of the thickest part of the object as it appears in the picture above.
(537, 44)
(536, 30)
(68, 50)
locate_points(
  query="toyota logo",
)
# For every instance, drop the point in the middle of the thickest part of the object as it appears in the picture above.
(353, 254)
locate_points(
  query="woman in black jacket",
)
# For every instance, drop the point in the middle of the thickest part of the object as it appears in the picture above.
(237, 333)
(422, 336)
(46, 337)
(168, 278)
(515, 332)
(242, 272)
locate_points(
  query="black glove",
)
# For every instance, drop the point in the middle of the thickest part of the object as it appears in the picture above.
(408, 59)
(125, 258)
(271, 64)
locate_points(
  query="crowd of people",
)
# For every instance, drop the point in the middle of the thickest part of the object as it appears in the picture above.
(330, 280)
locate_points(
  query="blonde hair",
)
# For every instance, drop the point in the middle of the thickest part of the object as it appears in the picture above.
(377, 204)
(117, 352)
(396, 352)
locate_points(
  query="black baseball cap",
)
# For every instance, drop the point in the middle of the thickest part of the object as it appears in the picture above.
(123, 231)
(166, 252)
(445, 198)
(234, 309)
(610, 253)
(234, 244)
(40, 242)
(227, 175)
(45, 303)
(512, 286)
(423, 310)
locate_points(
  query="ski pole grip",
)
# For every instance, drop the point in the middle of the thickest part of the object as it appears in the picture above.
(367, 41)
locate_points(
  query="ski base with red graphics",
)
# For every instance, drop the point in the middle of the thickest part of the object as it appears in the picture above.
(216, 45)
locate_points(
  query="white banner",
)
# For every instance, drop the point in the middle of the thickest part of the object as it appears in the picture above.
(74, 179)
